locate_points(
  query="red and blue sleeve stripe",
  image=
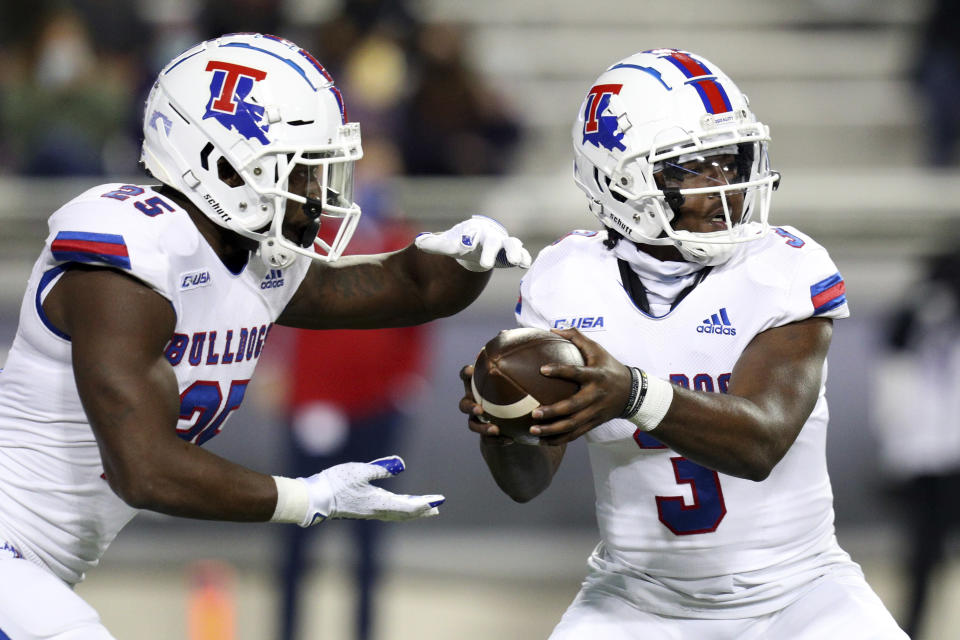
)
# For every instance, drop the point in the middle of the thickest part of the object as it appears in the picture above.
(828, 294)
(80, 246)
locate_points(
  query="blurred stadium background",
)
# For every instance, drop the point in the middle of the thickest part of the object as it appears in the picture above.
(834, 79)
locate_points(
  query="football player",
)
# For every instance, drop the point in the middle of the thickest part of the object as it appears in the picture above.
(150, 305)
(702, 398)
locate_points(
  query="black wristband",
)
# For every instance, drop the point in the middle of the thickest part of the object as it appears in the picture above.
(641, 396)
(631, 407)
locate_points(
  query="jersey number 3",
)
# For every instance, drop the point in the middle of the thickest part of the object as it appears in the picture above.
(708, 508)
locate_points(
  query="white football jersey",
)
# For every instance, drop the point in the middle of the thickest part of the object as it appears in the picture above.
(694, 538)
(56, 507)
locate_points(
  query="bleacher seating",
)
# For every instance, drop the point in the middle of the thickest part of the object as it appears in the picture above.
(828, 76)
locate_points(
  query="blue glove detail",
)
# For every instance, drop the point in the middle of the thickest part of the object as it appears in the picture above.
(393, 464)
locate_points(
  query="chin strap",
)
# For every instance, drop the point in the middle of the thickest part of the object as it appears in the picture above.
(638, 292)
(709, 254)
(275, 254)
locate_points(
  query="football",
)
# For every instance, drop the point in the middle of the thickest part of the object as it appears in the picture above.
(508, 385)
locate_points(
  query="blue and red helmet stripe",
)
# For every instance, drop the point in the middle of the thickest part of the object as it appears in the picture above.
(316, 64)
(690, 67)
(703, 79)
(340, 103)
(713, 95)
(80, 246)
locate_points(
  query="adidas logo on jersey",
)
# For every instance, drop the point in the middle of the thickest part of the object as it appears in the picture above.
(718, 323)
(272, 280)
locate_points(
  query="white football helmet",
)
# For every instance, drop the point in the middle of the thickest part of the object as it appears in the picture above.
(266, 108)
(655, 117)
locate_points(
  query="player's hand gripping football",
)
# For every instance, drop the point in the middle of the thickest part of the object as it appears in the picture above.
(344, 491)
(469, 406)
(604, 390)
(478, 244)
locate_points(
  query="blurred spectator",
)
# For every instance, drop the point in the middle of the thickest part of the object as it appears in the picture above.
(917, 413)
(116, 27)
(937, 74)
(352, 22)
(454, 124)
(76, 72)
(414, 83)
(218, 17)
(375, 76)
(66, 104)
(355, 410)
(394, 16)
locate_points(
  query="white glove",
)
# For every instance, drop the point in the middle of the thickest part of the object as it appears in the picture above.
(344, 491)
(478, 244)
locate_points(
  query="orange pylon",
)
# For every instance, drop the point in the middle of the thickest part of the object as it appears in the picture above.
(211, 611)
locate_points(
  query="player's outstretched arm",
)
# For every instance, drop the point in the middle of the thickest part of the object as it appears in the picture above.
(522, 471)
(437, 276)
(744, 432)
(118, 329)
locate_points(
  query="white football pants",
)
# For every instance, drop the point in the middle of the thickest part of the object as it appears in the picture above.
(841, 606)
(36, 605)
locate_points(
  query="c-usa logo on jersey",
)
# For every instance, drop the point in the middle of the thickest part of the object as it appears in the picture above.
(194, 279)
(583, 323)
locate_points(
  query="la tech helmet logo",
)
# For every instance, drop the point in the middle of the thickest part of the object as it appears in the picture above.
(229, 88)
(598, 129)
